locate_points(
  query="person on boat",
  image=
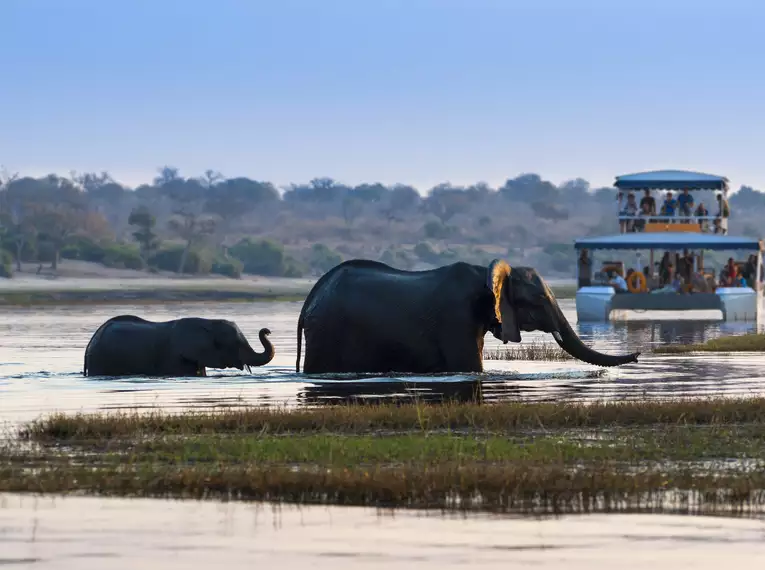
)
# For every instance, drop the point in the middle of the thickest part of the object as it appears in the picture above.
(648, 203)
(749, 270)
(685, 203)
(674, 284)
(731, 271)
(585, 269)
(669, 206)
(631, 209)
(723, 213)
(617, 282)
(644, 216)
(702, 212)
(740, 280)
(664, 272)
(685, 266)
(651, 282)
(699, 283)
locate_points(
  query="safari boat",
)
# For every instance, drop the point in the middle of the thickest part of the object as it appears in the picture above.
(675, 238)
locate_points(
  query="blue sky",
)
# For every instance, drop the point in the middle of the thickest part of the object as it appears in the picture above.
(414, 91)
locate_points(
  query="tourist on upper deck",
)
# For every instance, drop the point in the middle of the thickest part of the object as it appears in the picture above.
(648, 201)
(585, 269)
(631, 209)
(723, 213)
(685, 203)
(643, 217)
(702, 212)
(669, 206)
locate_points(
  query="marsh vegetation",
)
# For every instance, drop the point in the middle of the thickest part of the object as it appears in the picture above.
(532, 351)
(739, 343)
(562, 457)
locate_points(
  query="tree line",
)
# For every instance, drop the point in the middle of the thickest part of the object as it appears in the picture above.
(214, 224)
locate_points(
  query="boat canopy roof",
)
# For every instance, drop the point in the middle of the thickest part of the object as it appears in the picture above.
(671, 180)
(668, 241)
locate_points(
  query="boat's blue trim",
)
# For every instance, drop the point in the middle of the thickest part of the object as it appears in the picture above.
(671, 180)
(668, 241)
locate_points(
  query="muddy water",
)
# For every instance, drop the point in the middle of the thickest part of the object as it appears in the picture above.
(93, 533)
(42, 351)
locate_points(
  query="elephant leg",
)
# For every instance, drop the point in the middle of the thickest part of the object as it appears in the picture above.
(461, 352)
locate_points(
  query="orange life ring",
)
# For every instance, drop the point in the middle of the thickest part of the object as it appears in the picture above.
(641, 286)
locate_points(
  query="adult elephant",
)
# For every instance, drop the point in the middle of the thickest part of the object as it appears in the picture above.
(365, 316)
(127, 345)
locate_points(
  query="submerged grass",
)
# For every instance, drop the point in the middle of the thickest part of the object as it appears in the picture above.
(681, 455)
(531, 351)
(503, 488)
(356, 419)
(740, 343)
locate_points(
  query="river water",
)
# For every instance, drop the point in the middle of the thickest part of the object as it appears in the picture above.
(41, 360)
(41, 372)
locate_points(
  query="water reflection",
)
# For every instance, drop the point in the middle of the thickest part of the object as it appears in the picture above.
(80, 532)
(349, 392)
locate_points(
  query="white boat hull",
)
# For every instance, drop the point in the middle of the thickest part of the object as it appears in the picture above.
(596, 303)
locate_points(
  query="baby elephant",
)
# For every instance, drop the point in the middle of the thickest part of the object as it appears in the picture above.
(131, 346)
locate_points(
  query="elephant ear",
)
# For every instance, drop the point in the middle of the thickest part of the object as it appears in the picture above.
(196, 342)
(498, 282)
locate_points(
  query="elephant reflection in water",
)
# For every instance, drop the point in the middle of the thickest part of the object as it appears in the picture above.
(127, 345)
(364, 316)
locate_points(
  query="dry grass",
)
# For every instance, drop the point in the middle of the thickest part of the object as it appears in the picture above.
(741, 343)
(531, 351)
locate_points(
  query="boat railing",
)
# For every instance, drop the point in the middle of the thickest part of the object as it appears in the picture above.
(678, 222)
(632, 218)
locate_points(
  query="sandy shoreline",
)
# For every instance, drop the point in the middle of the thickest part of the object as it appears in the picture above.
(80, 282)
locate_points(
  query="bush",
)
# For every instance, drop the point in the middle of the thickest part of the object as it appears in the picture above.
(265, 257)
(230, 267)
(198, 261)
(6, 264)
(110, 254)
(323, 259)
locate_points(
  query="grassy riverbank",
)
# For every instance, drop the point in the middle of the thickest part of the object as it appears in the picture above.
(683, 454)
(95, 291)
(739, 343)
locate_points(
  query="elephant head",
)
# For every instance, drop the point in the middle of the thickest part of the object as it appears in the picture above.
(524, 302)
(218, 343)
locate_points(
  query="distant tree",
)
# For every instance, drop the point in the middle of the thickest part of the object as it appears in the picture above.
(445, 201)
(400, 199)
(193, 230)
(148, 241)
(18, 224)
(352, 208)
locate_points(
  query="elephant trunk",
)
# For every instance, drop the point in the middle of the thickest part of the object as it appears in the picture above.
(569, 341)
(252, 358)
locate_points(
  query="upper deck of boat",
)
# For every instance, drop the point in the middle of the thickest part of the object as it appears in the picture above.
(672, 183)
